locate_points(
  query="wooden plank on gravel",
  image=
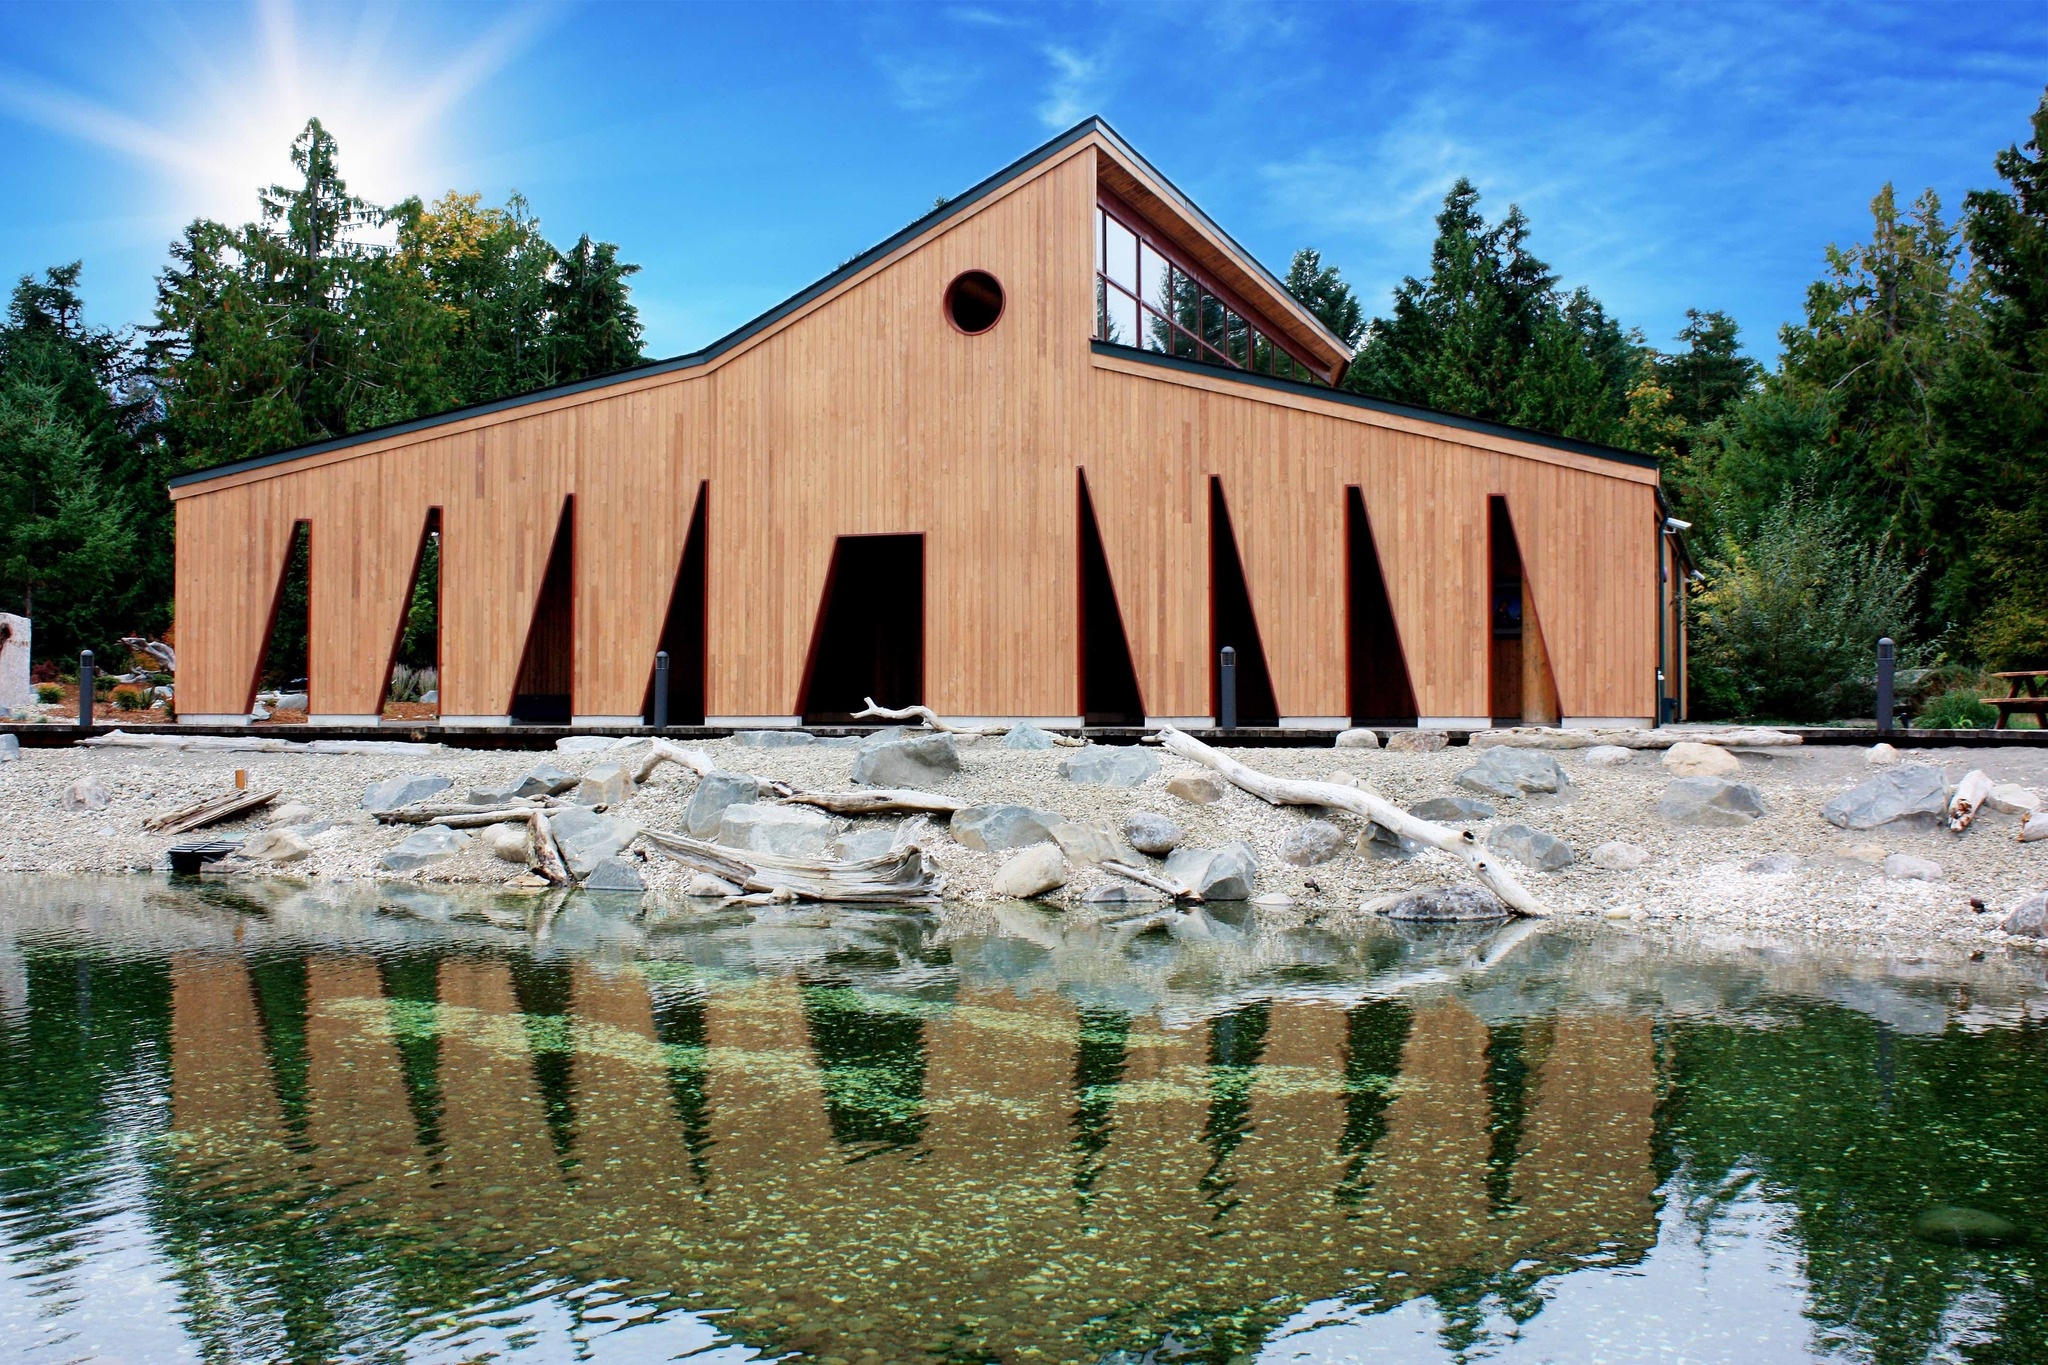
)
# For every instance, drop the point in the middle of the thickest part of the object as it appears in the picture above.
(203, 813)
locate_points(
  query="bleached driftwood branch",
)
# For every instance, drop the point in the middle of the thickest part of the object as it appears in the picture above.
(546, 852)
(211, 811)
(1548, 737)
(903, 875)
(880, 801)
(660, 751)
(1368, 805)
(1968, 800)
(1116, 867)
(924, 715)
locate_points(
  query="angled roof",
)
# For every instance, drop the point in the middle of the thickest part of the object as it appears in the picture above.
(1162, 194)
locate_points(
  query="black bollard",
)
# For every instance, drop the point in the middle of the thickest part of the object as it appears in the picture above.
(1886, 657)
(661, 689)
(1228, 719)
(86, 683)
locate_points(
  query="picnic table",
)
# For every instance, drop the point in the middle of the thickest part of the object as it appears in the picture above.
(2024, 692)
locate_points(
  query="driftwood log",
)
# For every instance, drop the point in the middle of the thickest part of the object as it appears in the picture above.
(1144, 876)
(210, 812)
(661, 751)
(879, 801)
(1968, 800)
(1548, 737)
(546, 852)
(924, 715)
(1368, 805)
(901, 876)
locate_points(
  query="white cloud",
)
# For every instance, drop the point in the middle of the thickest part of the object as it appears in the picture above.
(1074, 93)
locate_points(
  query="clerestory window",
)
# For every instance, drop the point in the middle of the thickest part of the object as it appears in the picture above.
(1147, 296)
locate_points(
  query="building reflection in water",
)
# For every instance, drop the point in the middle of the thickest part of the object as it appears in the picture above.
(366, 1152)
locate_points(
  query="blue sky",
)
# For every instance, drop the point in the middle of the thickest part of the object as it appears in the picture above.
(1670, 156)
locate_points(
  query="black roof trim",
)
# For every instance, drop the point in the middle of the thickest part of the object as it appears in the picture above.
(959, 204)
(1359, 400)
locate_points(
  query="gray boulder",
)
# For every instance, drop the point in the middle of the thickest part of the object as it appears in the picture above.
(1911, 791)
(1456, 810)
(1089, 845)
(1441, 903)
(785, 831)
(857, 844)
(615, 874)
(1033, 872)
(717, 790)
(1503, 771)
(1532, 847)
(1618, 856)
(1715, 801)
(1150, 832)
(2028, 919)
(511, 841)
(1312, 843)
(587, 838)
(1104, 765)
(1218, 874)
(1416, 741)
(402, 790)
(774, 739)
(86, 793)
(998, 829)
(10, 748)
(1123, 893)
(1197, 789)
(607, 784)
(1357, 739)
(1025, 735)
(276, 846)
(543, 779)
(428, 844)
(1607, 756)
(920, 761)
(1377, 841)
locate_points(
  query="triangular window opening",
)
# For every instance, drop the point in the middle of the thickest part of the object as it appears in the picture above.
(1522, 687)
(1381, 692)
(869, 637)
(412, 684)
(1109, 682)
(1232, 623)
(547, 671)
(682, 634)
(287, 660)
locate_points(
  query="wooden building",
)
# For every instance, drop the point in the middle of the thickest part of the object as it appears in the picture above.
(1041, 454)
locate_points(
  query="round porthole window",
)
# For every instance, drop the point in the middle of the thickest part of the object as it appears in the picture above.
(974, 301)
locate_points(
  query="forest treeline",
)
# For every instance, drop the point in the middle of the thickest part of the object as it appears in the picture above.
(1888, 475)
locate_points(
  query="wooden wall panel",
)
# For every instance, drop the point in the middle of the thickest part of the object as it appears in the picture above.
(869, 414)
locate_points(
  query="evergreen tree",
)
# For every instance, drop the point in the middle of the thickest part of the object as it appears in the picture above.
(1324, 292)
(1711, 374)
(593, 327)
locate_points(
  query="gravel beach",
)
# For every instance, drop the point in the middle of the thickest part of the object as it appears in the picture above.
(1789, 869)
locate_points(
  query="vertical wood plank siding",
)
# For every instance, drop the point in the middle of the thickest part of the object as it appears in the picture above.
(867, 412)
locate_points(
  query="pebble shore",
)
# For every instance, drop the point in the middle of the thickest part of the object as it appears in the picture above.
(1788, 870)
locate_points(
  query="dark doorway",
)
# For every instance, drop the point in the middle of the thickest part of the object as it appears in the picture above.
(287, 648)
(682, 635)
(415, 672)
(1232, 623)
(869, 639)
(1381, 692)
(1520, 683)
(1109, 683)
(541, 696)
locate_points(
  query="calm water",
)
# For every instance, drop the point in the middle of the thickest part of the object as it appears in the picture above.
(274, 1124)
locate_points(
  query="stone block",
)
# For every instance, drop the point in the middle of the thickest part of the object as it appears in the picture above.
(1710, 801)
(424, 846)
(403, 790)
(1912, 792)
(1000, 829)
(784, 831)
(1535, 848)
(717, 790)
(1104, 765)
(919, 762)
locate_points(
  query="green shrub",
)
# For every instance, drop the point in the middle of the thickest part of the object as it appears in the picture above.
(1961, 708)
(127, 699)
(49, 694)
(1787, 624)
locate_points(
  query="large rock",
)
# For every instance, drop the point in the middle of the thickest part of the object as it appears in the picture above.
(1025, 735)
(1607, 756)
(85, 794)
(10, 748)
(1710, 801)
(1456, 810)
(2028, 919)
(1358, 739)
(543, 779)
(295, 813)
(1616, 856)
(2013, 799)
(511, 841)
(855, 845)
(1377, 841)
(775, 739)
(1912, 792)
(1218, 874)
(402, 790)
(1416, 741)
(1149, 832)
(17, 692)
(1035, 871)
(1882, 756)
(919, 761)
(608, 784)
(1197, 789)
(1089, 845)
(425, 845)
(1532, 847)
(615, 874)
(717, 790)
(1690, 759)
(1312, 843)
(1906, 867)
(1503, 771)
(587, 838)
(1439, 903)
(276, 846)
(1103, 765)
(999, 829)
(785, 831)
